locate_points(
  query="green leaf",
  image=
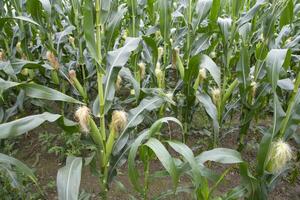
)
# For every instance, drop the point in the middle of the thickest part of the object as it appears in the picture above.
(292, 117)
(201, 44)
(215, 10)
(208, 105)
(243, 68)
(210, 108)
(42, 92)
(263, 152)
(67, 31)
(165, 158)
(135, 117)
(150, 42)
(89, 29)
(19, 165)
(286, 84)
(156, 126)
(236, 193)
(7, 69)
(38, 91)
(68, 179)
(265, 144)
(134, 17)
(112, 28)
(225, 27)
(192, 70)
(126, 74)
(18, 65)
(3, 20)
(23, 125)
(4, 85)
(287, 14)
(10, 174)
(115, 60)
(284, 32)
(221, 155)
(236, 7)
(202, 8)
(164, 18)
(210, 65)
(245, 32)
(188, 155)
(276, 59)
(251, 13)
(34, 8)
(47, 6)
(168, 193)
(132, 171)
(106, 5)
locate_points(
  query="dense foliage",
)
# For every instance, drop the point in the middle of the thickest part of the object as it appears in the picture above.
(113, 73)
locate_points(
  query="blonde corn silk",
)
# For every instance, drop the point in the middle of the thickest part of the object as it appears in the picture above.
(142, 67)
(53, 60)
(280, 154)
(72, 74)
(119, 120)
(160, 52)
(82, 115)
(202, 74)
(216, 95)
(1, 56)
(118, 82)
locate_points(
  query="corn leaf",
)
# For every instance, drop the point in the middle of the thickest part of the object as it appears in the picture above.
(38, 91)
(68, 179)
(23, 125)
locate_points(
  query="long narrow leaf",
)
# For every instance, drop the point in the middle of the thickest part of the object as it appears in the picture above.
(68, 179)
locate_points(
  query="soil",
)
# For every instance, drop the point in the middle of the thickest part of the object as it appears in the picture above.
(48, 165)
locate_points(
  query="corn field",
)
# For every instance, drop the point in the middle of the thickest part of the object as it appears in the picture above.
(150, 99)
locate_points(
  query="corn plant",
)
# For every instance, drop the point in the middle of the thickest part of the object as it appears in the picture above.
(121, 121)
(115, 71)
(148, 145)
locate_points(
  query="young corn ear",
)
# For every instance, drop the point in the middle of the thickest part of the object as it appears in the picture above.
(82, 115)
(55, 65)
(179, 62)
(2, 56)
(174, 58)
(118, 83)
(72, 75)
(76, 83)
(119, 120)
(216, 96)
(280, 154)
(201, 76)
(213, 54)
(253, 88)
(125, 35)
(19, 48)
(53, 60)
(160, 53)
(157, 35)
(71, 40)
(118, 123)
(142, 68)
(87, 125)
(159, 75)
